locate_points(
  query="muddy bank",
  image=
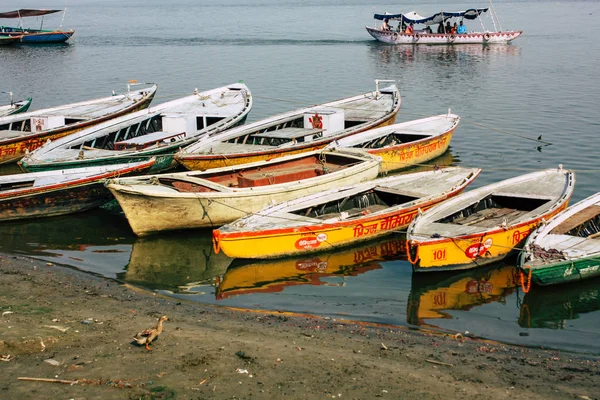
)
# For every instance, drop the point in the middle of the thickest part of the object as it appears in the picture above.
(77, 329)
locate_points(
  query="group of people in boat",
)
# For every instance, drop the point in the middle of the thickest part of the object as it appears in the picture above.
(442, 29)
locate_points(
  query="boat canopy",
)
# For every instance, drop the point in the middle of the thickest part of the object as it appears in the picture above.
(415, 18)
(26, 12)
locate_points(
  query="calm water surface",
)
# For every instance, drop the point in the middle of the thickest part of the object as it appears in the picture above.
(292, 54)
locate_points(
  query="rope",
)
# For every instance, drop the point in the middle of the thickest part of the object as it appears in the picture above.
(527, 286)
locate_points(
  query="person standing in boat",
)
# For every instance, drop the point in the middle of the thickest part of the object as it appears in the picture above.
(441, 28)
(409, 29)
(448, 27)
(461, 29)
(454, 28)
(385, 26)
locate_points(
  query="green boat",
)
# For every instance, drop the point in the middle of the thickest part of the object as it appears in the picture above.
(566, 248)
(14, 107)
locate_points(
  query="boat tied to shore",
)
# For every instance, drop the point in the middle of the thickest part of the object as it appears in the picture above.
(485, 225)
(32, 35)
(159, 131)
(406, 33)
(565, 248)
(293, 132)
(207, 199)
(341, 216)
(25, 132)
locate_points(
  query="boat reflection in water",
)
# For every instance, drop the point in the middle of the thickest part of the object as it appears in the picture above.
(552, 306)
(432, 294)
(272, 276)
(175, 262)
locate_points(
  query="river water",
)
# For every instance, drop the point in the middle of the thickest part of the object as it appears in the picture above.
(296, 53)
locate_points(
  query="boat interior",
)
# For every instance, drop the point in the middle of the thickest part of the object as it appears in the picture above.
(359, 204)
(271, 174)
(494, 210)
(585, 223)
(392, 139)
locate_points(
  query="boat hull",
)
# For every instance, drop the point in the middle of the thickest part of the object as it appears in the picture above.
(37, 36)
(566, 271)
(203, 162)
(392, 37)
(62, 198)
(472, 251)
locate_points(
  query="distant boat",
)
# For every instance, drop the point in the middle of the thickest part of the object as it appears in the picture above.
(293, 132)
(9, 40)
(51, 193)
(485, 225)
(405, 144)
(25, 132)
(14, 107)
(158, 131)
(195, 199)
(565, 248)
(440, 34)
(32, 35)
(341, 216)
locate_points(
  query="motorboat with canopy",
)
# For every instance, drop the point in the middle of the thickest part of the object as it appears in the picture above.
(33, 35)
(445, 34)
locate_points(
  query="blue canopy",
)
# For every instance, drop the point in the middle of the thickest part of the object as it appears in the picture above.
(415, 18)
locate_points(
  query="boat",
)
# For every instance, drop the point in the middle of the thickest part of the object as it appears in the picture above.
(14, 107)
(293, 132)
(207, 199)
(405, 144)
(51, 193)
(432, 295)
(9, 40)
(32, 35)
(341, 216)
(566, 248)
(158, 131)
(25, 132)
(485, 225)
(444, 34)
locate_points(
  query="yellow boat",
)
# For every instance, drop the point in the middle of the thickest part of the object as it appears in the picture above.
(293, 132)
(484, 225)
(340, 216)
(275, 275)
(25, 132)
(405, 144)
(431, 295)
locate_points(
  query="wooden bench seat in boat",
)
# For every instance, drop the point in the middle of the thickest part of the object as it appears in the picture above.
(288, 133)
(227, 148)
(274, 177)
(141, 142)
(490, 217)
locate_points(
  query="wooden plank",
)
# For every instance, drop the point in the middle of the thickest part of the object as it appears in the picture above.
(288, 133)
(577, 219)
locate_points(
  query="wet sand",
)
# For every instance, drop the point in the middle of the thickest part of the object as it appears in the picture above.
(76, 330)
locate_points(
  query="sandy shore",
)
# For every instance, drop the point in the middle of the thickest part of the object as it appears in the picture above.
(76, 329)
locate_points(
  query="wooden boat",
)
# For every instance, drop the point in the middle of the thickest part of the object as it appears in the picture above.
(294, 132)
(9, 40)
(341, 216)
(32, 35)
(212, 198)
(565, 248)
(432, 294)
(442, 35)
(484, 225)
(46, 194)
(14, 107)
(158, 131)
(25, 132)
(405, 144)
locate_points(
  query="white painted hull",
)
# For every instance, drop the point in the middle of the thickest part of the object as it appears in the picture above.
(392, 37)
(150, 209)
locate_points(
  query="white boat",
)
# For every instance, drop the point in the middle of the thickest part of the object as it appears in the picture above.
(14, 107)
(24, 132)
(431, 30)
(196, 199)
(158, 131)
